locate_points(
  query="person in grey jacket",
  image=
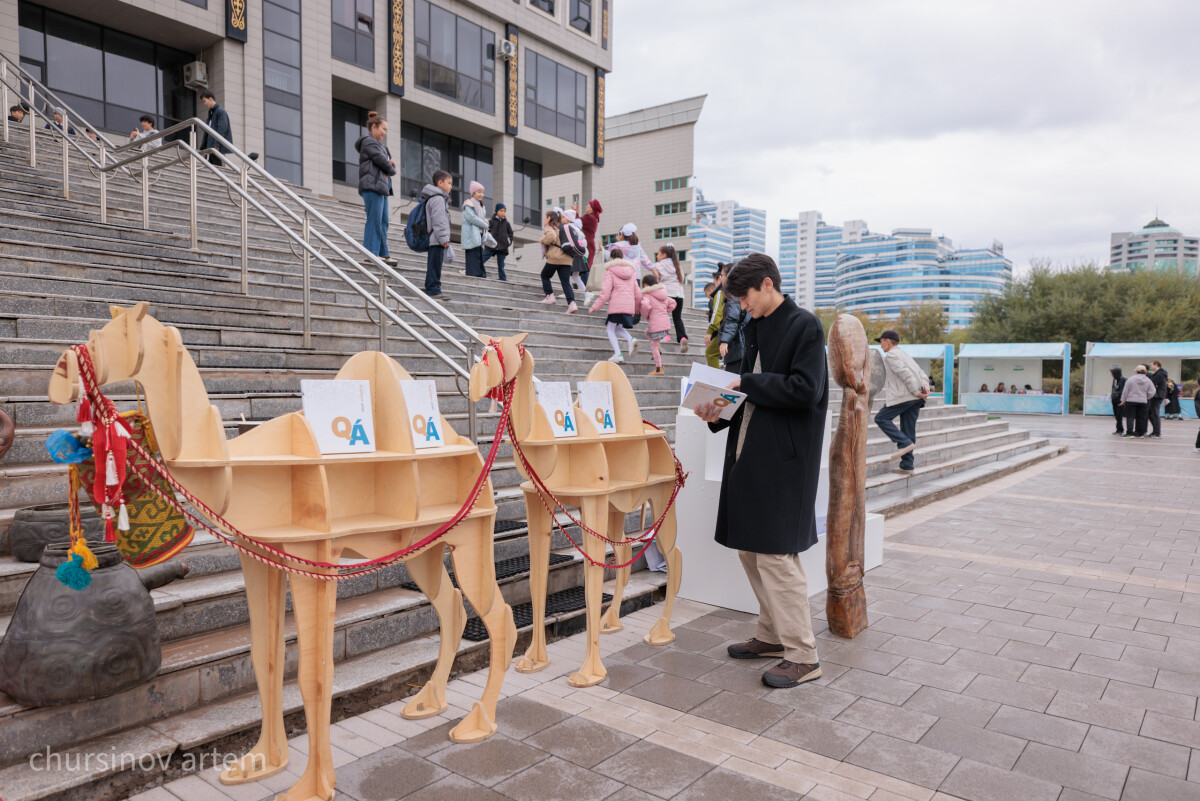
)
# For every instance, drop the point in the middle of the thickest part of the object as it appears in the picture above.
(1135, 399)
(437, 217)
(375, 168)
(904, 393)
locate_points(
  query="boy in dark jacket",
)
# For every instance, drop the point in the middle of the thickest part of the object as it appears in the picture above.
(501, 230)
(772, 466)
(437, 217)
(1118, 386)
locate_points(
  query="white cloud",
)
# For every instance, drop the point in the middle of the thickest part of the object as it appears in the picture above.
(1046, 125)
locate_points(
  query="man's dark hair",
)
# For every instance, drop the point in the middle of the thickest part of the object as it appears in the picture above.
(1156, 363)
(206, 93)
(146, 118)
(439, 176)
(709, 288)
(15, 109)
(750, 272)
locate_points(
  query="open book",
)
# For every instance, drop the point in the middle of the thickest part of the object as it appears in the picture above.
(727, 400)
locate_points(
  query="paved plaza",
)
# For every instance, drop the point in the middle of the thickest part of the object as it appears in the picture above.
(1033, 639)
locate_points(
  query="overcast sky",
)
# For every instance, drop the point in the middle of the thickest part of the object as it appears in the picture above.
(1047, 125)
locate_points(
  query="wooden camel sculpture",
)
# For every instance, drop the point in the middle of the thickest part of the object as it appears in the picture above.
(850, 361)
(274, 485)
(605, 477)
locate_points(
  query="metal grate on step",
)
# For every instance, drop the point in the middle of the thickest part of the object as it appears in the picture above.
(505, 568)
(508, 525)
(556, 604)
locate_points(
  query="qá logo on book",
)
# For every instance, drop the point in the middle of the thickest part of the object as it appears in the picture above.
(354, 433)
(564, 420)
(426, 428)
(604, 418)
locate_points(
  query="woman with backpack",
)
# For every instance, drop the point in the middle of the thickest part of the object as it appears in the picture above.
(556, 261)
(474, 224)
(670, 275)
(620, 292)
(656, 306)
(375, 168)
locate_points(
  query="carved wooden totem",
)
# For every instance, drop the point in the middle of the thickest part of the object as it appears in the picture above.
(850, 362)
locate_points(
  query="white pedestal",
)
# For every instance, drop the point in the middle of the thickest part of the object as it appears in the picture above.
(712, 573)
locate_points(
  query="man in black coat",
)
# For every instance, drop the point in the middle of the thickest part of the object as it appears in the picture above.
(218, 120)
(1158, 376)
(1118, 386)
(772, 467)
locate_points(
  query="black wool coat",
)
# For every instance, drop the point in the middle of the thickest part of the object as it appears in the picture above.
(768, 496)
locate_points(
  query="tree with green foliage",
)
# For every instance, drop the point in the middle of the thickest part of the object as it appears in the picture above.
(1086, 303)
(923, 322)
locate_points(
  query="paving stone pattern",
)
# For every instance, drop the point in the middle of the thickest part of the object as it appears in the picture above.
(1034, 639)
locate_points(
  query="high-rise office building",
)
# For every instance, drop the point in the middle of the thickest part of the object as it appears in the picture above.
(749, 226)
(711, 245)
(798, 257)
(1158, 247)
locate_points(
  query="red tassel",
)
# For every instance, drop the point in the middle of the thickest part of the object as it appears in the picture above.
(100, 456)
(110, 531)
(85, 411)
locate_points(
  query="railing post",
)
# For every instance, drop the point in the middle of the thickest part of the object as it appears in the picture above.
(32, 127)
(307, 287)
(66, 131)
(472, 418)
(192, 189)
(383, 321)
(145, 195)
(103, 186)
(4, 95)
(245, 242)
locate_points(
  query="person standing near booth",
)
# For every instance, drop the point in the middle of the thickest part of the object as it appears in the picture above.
(772, 467)
(1118, 387)
(1158, 377)
(1135, 400)
(904, 393)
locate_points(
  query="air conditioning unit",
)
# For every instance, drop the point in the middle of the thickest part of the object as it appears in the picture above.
(195, 75)
(508, 50)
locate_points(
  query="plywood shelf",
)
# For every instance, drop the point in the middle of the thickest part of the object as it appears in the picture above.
(287, 460)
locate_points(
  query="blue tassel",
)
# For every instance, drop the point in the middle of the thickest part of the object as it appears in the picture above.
(72, 574)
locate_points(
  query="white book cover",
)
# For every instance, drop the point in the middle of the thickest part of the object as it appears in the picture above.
(340, 414)
(727, 400)
(424, 420)
(555, 399)
(596, 402)
(709, 375)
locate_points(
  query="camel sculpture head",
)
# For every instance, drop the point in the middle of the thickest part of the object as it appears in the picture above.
(117, 351)
(491, 371)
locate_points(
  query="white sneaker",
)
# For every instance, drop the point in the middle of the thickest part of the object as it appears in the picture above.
(633, 348)
(550, 299)
(587, 298)
(617, 358)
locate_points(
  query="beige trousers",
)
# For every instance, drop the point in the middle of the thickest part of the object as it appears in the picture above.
(781, 587)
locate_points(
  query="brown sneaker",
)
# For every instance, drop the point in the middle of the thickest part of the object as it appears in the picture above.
(790, 674)
(755, 649)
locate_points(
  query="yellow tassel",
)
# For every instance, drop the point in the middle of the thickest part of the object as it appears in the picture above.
(89, 559)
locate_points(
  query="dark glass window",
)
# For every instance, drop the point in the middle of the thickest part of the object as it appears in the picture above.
(201, 3)
(555, 98)
(283, 146)
(581, 15)
(354, 32)
(349, 124)
(544, 5)
(423, 150)
(454, 57)
(109, 77)
(527, 191)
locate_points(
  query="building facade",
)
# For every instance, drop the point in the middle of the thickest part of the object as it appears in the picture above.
(711, 245)
(749, 226)
(505, 92)
(1158, 247)
(798, 257)
(646, 180)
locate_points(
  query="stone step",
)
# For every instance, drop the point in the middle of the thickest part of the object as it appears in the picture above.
(185, 722)
(972, 442)
(884, 483)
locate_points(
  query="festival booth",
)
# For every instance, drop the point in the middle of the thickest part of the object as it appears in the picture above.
(1009, 363)
(1097, 380)
(925, 356)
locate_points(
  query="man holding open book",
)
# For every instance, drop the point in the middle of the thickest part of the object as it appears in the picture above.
(772, 466)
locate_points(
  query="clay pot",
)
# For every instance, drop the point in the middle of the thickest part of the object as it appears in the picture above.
(66, 645)
(35, 527)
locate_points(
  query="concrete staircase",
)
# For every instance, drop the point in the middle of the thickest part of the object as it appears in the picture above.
(60, 269)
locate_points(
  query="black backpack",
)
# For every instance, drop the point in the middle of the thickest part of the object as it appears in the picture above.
(570, 245)
(416, 229)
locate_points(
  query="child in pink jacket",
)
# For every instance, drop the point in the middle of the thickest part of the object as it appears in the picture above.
(656, 308)
(620, 292)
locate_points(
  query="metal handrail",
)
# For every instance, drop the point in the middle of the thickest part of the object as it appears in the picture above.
(251, 176)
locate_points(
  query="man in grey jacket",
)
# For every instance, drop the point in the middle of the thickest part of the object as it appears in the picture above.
(1135, 399)
(904, 393)
(437, 217)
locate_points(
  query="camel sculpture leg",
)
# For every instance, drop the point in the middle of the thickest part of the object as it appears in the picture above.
(594, 510)
(313, 602)
(611, 622)
(265, 597)
(429, 572)
(660, 633)
(540, 532)
(476, 571)
(846, 599)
